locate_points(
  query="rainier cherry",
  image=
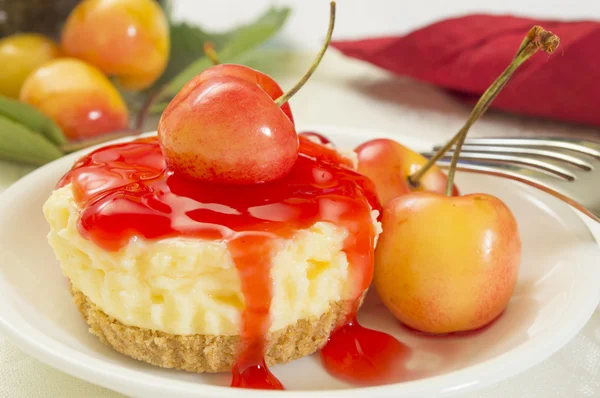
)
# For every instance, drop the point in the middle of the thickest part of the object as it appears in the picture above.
(77, 96)
(128, 39)
(227, 130)
(226, 127)
(447, 264)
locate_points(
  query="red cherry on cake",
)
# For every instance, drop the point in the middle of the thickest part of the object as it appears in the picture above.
(225, 129)
(226, 126)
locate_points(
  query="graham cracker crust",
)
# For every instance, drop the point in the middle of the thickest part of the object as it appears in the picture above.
(205, 353)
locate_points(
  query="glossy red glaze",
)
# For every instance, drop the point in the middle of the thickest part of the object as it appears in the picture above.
(227, 130)
(127, 190)
(251, 253)
(257, 376)
(365, 356)
(264, 81)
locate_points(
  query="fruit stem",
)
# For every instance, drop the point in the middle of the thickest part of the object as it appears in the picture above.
(145, 108)
(537, 38)
(286, 96)
(210, 53)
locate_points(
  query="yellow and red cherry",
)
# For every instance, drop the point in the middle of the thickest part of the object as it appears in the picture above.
(389, 165)
(225, 126)
(77, 96)
(447, 264)
(125, 38)
(227, 130)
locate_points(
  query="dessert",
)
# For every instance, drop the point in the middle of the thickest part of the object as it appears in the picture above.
(175, 272)
(192, 256)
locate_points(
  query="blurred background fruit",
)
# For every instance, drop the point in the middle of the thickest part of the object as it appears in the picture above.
(125, 38)
(77, 96)
(21, 54)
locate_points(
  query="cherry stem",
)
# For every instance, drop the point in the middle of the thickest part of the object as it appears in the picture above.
(537, 38)
(286, 96)
(210, 53)
(145, 109)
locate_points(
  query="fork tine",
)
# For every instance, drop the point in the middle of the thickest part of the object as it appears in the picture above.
(590, 148)
(530, 177)
(547, 168)
(559, 156)
(502, 169)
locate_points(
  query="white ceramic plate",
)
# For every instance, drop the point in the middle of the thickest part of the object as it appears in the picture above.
(557, 292)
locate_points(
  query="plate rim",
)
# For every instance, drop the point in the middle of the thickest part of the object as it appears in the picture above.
(111, 376)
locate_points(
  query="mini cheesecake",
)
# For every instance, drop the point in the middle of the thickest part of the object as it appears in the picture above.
(201, 277)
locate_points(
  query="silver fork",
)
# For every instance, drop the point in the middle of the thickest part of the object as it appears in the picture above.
(566, 168)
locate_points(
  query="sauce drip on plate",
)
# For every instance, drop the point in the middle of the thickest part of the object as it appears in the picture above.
(364, 356)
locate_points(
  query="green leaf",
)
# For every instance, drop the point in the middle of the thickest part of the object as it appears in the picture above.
(187, 56)
(31, 118)
(21, 144)
(187, 43)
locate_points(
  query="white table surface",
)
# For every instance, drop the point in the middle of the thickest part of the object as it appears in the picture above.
(349, 93)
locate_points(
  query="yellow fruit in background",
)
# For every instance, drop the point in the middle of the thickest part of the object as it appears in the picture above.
(125, 38)
(21, 54)
(77, 96)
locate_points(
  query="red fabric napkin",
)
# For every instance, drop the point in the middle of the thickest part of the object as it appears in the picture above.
(466, 54)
